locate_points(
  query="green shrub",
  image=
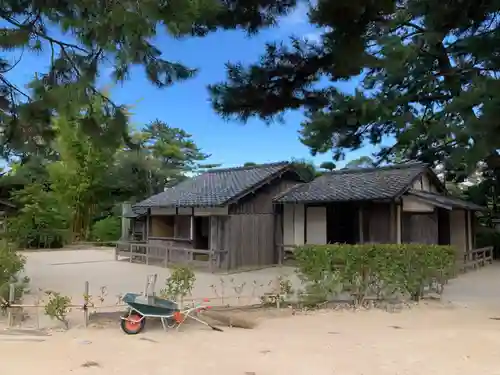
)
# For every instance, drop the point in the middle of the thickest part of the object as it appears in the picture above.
(378, 270)
(11, 263)
(41, 222)
(179, 284)
(107, 229)
(58, 307)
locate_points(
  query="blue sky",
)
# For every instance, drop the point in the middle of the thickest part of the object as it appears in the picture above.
(186, 105)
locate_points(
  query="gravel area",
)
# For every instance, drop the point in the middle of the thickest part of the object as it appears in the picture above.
(457, 336)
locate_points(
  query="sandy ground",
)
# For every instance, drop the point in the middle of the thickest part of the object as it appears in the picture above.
(67, 271)
(455, 337)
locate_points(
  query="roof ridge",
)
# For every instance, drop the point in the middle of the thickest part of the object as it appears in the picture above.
(248, 167)
(289, 190)
(427, 192)
(378, 168)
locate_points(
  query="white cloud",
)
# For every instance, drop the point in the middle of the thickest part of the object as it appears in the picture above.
(297, 22)
(314, 37)
(108, 71)
(298, 16)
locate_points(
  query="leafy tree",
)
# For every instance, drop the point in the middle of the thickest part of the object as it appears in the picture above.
(205, 167)
(429, 78)
(91, 178)
(107, 229)
(361, 162)
(249, 164)
(11, 263)
(306, 169)
(165, 155)
(42, 220)
(328, 165)
(83, 35)
(173, 148)
(78, 176)
(32, 170)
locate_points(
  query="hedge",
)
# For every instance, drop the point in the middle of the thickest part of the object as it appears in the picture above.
(107, 229)
(383, 271)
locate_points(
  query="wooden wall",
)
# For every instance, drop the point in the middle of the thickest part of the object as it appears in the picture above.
(378, 223)
(420, 228)
(247, 234)
(182, 226)
(250, 228)
(250, 240)
(458, 235)
(261, 202)
(162, 226)
(170, 226)
(219, 231)
(138, 228)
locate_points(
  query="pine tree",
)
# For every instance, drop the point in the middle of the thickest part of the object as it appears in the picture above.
(430, 78)
(81, 35)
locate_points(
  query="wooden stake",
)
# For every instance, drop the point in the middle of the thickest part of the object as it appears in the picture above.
(86, 309)
(12, 299)
(37, 311)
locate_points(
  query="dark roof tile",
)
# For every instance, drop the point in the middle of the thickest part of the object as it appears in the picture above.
(215, 187)
(446, 201)
(355, 184)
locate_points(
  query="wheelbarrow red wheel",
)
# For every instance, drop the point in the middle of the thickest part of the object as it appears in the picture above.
(133, 324)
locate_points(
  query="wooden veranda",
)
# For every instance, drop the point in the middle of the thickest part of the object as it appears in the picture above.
(162, 255)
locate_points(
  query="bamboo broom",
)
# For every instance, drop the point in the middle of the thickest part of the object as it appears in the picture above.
(230, 320)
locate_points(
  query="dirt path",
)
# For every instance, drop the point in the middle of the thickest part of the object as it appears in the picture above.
(67, 271)
(425, 340)
(442, 339)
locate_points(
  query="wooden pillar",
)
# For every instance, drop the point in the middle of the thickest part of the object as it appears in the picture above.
(277, 237)
(191, 226)
(392, 223)
(398, 223)
(213, 236)
(469, 231)
(360, 224)
(148, 220)
(305, 223)
(226, 227)
(176, 226)
(126, 209)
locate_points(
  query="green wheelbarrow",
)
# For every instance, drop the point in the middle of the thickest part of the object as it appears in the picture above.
(142, 306)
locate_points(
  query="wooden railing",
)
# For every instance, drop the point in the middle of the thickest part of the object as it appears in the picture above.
(166, 255)
(476, 258)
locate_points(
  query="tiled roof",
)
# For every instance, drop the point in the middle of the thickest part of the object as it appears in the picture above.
(445, 201)
(214, 188)
(356, 184)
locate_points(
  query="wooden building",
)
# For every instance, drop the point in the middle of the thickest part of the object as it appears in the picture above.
(403, 203)
(245, 217)
(224, 216)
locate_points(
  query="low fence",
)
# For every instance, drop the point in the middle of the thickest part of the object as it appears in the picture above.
(277, 294)
(267, 294)
(476, 258)
(167, 255)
